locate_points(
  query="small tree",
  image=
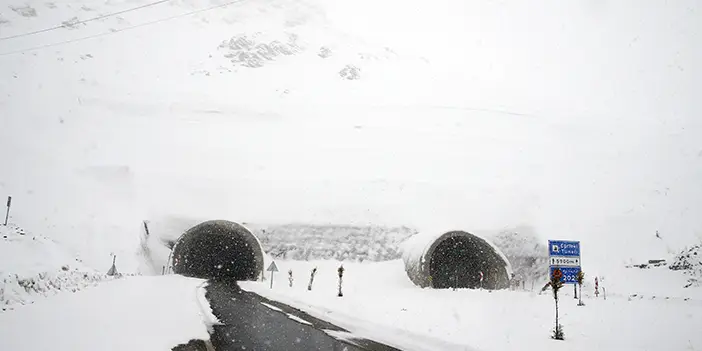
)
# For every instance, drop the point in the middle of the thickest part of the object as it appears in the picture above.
(556, 285)
(580, 279)
(341, 277)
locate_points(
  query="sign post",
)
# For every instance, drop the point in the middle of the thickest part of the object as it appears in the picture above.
(272, 268)
(565, 255)
(7, 213)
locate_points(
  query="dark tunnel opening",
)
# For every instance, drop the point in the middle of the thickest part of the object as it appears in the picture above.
(456, 262)
(453, 265)
(219, 250)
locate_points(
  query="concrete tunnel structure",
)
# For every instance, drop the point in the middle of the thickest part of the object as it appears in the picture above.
(219, 250)
(455, 259)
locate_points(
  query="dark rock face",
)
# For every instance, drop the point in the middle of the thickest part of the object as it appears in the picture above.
(219, 250)
(689, 259)
(192, 345)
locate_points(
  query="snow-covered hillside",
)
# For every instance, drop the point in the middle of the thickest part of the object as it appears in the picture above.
(579, 119)
(345, 243)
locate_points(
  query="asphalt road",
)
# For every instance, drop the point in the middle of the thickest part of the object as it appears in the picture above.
(252, 322)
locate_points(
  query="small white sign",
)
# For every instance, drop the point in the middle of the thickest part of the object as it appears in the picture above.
(565, 261)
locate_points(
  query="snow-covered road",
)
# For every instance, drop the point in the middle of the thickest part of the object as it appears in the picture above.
(249, 321)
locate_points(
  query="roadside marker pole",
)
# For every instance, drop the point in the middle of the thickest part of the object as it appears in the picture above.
(7, 213)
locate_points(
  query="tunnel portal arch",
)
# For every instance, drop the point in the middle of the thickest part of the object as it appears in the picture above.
(455, 259)
(218, 249)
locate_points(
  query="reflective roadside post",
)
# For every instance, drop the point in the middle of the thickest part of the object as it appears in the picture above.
(314, 271)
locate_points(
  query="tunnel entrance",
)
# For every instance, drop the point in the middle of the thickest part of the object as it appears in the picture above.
(457, 263)
(219, 250)
(455, 260)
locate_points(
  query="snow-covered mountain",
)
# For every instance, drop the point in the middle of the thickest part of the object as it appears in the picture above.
(579, 119)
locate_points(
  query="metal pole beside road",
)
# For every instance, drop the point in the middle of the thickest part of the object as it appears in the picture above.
(7, 213)
(272, 268)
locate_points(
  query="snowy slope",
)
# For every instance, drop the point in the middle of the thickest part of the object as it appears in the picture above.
(33, 266)
(578, 119)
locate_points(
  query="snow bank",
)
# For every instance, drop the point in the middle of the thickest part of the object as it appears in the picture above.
(33, 266)
(133, 313)
(22, 290)
(208, 316)
(380, 302)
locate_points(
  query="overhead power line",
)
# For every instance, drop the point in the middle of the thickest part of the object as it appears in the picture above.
(67, 25)
(121, 29)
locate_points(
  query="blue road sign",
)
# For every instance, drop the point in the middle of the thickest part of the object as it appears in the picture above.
(563, 248)
(570, 274)
(566, 256)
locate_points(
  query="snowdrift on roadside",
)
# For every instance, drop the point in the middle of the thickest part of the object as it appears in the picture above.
(33, 266)
(132, 313)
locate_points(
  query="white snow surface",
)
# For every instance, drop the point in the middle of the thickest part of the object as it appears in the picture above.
(381, 303)
(33, 266)
(579, 119)
(132, 313)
